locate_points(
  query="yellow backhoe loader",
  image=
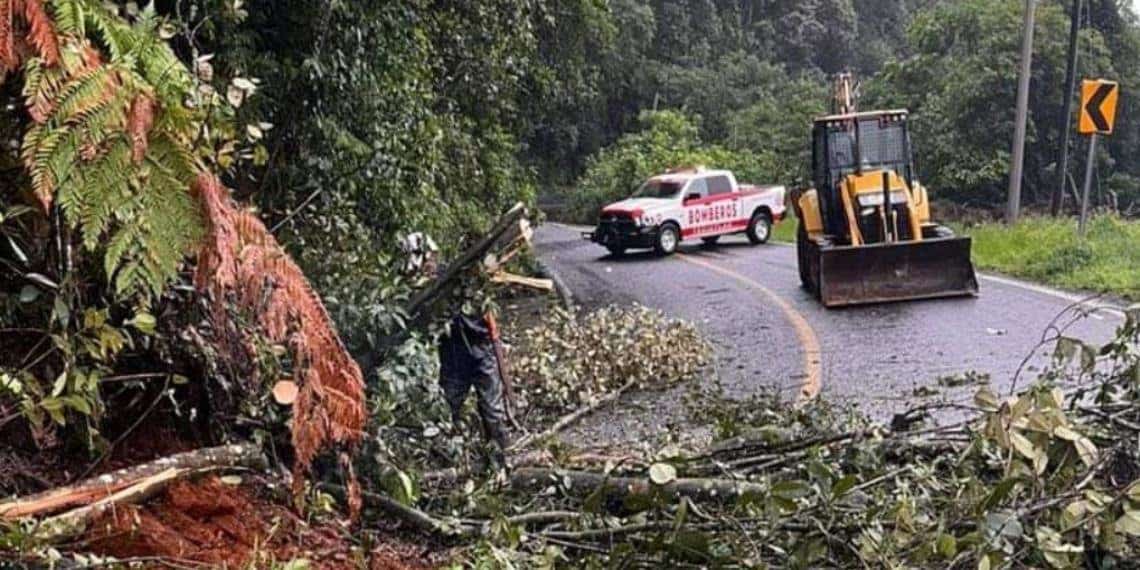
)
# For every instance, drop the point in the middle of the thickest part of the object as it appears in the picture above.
(865, 233)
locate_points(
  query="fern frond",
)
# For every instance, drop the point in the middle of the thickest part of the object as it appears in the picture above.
(110, 29)
(39, 145)
(63, 157)
(8, 59)
(107, 189)
(41, 31)
(70, 18)
(240, 258)
(140, 118)
(84, 93)
(162, 68)
(77, 56)
(41, 86)
(173, 158)
(122, 246)
(101, 122)
(150, 243)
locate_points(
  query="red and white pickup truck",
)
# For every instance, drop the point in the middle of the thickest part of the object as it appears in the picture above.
(689, 204)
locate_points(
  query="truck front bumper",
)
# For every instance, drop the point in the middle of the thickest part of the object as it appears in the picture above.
(622, 235)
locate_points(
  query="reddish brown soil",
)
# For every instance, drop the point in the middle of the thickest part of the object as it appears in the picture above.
(214, 524)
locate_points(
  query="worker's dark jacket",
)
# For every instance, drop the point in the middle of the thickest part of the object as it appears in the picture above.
(466, 359)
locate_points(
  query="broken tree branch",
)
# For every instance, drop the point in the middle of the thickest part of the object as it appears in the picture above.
(451, 527)
(585, 482)
(452, 474)
(569, 419)
(103, 486)
(415, 517)
(506, 278)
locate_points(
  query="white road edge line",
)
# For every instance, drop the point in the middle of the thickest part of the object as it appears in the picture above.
(1049, 291)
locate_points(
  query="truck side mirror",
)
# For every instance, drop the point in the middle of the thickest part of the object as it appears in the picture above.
(692, 197)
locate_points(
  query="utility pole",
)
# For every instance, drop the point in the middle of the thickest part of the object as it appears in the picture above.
(1016, 170)
(1057, 203)
(1081, 226)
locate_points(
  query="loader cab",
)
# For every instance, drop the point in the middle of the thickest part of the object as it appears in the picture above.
(856, 143)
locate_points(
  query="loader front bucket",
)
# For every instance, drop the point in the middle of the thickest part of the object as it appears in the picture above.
(881, 273)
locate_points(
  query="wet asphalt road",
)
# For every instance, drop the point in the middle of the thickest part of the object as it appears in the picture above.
(767, 330)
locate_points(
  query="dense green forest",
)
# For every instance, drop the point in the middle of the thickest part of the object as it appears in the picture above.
(387, 106)
(390, 117)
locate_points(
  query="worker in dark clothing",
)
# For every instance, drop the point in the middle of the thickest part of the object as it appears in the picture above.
(467, 359)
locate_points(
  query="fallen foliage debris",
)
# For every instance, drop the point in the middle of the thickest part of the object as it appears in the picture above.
(241, 263)
(1049, 477)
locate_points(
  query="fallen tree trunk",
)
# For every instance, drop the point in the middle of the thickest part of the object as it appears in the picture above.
(585, 482)
(73, 523)
(105, 486)
(451, 527)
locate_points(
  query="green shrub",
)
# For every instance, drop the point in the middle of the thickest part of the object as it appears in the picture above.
(1049, 251)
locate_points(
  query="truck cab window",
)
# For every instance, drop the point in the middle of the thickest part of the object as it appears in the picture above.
(698, 188)
(719, 185)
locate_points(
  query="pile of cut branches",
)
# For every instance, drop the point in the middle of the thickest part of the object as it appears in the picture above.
(571, 359)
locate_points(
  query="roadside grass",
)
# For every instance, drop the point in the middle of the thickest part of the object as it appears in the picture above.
(785, 231)
(1048, 251)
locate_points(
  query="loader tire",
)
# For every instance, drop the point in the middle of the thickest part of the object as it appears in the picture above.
(802, 259)
(759, 228)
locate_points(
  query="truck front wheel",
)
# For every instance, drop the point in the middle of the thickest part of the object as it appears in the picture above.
(667, 239)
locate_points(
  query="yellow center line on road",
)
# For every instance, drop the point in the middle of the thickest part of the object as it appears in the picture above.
(813, 369)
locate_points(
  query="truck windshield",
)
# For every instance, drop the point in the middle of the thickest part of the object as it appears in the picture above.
(659, 189)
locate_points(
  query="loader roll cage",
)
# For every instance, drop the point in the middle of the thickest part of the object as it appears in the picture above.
(856, 143)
